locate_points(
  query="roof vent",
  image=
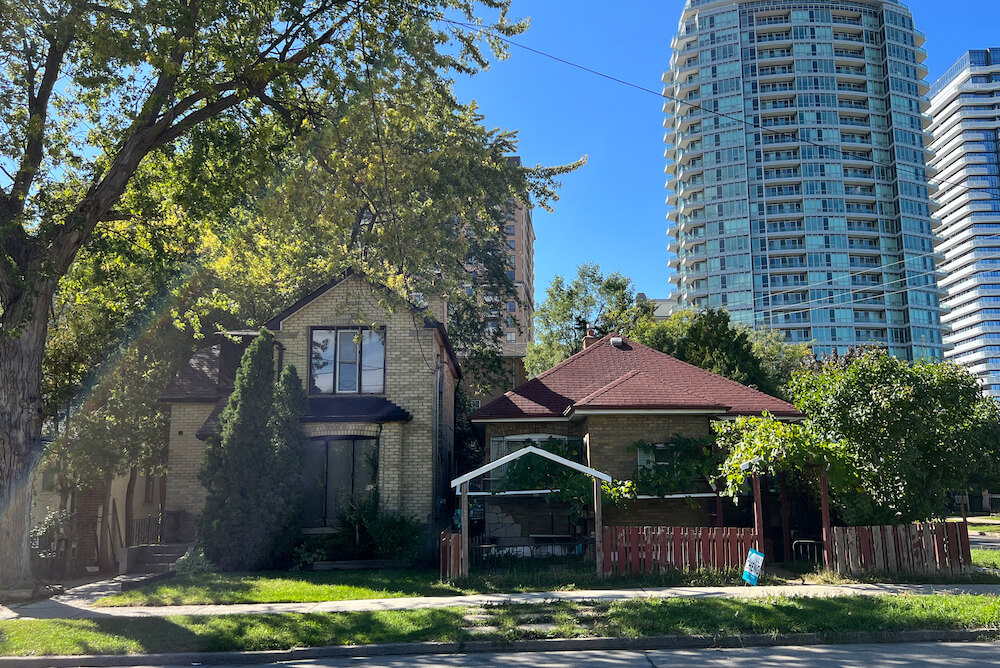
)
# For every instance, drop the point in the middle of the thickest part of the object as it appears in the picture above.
(616, 341)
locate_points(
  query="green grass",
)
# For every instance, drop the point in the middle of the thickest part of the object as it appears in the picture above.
(283, 587)
(630, 619)
(305, 587)
(990, 528)
(986, 558)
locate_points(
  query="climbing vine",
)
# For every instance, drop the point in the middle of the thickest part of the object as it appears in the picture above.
(568, 486)
(672, 467)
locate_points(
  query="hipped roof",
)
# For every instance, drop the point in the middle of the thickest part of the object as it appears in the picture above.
(629, 377)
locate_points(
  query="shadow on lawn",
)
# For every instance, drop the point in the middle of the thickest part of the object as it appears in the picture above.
(118, 635)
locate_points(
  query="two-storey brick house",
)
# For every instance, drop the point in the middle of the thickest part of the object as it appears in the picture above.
(381, 387)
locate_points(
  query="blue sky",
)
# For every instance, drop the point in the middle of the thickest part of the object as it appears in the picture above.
(612, 211)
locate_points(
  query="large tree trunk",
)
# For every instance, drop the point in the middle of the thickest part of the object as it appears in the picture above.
(22, 341)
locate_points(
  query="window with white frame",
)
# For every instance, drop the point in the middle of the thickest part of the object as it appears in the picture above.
(347, 361)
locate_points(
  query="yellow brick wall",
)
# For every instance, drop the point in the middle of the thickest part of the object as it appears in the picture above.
(184, 457)
(407, 455)
(410, 357)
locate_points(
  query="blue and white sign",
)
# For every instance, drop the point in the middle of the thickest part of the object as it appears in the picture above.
(753, 567)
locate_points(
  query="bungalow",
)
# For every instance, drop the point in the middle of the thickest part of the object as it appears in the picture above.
(609, 396)
(381, 387)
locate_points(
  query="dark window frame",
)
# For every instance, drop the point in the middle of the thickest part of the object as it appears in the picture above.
(328, 521)
(336, 336)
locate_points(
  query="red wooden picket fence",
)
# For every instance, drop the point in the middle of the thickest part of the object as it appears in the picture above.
(634, 550)
(927, 548)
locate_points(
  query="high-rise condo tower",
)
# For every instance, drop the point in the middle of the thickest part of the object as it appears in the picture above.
(796, 134)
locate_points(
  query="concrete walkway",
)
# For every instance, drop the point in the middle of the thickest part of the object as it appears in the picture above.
(76, 603)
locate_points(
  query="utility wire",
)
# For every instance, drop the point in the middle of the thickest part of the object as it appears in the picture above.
(881, 267)
(825, 147)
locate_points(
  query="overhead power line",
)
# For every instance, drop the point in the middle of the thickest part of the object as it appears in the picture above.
(569, 63)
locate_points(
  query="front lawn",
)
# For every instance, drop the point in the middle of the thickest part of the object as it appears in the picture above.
(989, 528)
(986, 558)
(629, 619)
(307, 586)
(284, 587)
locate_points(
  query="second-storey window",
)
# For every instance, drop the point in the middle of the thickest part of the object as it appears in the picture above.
(347, 361)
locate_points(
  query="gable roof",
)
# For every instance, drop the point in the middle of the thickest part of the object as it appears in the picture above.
(633, 377)
(429, 323)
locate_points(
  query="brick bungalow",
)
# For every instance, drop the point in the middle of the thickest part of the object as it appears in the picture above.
(381, 387)
(610, 395)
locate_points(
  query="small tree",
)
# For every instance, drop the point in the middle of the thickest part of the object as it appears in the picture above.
(605, 302)
(290, 404)
(247, 467)
(896, 437)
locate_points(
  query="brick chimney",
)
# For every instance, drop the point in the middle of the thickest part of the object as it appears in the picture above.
(591, 338)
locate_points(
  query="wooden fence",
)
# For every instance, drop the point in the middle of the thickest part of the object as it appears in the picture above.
(634, 550)
(451, 555)
(928, 548)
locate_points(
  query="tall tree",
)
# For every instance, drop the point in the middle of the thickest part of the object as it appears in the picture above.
(290, 404)
(591, 299)
(779, 359)
(90, 90)
(244, 506)
(709, 340)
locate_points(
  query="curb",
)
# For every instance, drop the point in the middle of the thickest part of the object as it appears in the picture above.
(481, 646)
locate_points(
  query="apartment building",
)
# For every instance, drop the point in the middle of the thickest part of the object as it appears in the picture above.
(797, 148)
(965, 106)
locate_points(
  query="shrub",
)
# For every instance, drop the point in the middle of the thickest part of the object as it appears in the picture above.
(193, 562)
(367, 530)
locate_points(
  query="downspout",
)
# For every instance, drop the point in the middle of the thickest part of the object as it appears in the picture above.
(437, 432)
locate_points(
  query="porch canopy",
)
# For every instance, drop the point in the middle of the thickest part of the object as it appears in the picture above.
(462, 483)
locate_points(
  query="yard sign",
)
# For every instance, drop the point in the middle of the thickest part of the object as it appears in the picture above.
(753, 567)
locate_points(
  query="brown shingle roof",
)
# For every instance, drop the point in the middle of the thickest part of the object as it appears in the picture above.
(630, 377)
(208, 375)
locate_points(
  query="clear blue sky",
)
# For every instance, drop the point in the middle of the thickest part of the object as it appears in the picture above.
(612, 211)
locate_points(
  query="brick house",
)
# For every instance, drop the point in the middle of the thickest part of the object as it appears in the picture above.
(381, 387)
(608, 396)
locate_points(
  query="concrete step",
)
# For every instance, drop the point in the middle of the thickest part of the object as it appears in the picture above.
(153, 558)
(162, 567)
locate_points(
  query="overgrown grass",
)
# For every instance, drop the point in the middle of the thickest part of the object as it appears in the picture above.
(631, 619)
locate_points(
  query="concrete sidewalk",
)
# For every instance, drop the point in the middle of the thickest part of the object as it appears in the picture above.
(76, 603)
